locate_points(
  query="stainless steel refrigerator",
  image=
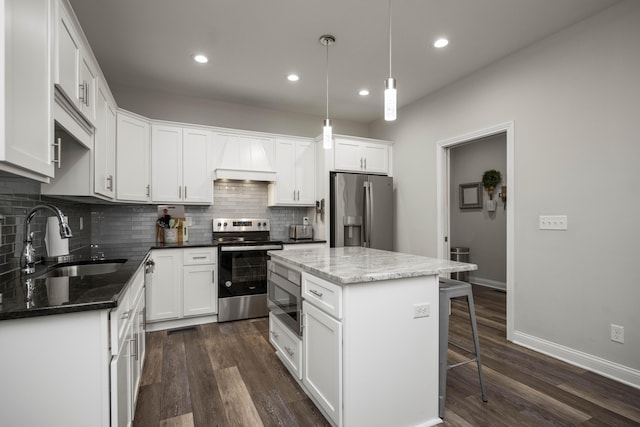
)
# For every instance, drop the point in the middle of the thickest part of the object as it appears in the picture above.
(361, 210)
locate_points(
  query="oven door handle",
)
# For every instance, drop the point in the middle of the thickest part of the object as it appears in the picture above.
(250, 248)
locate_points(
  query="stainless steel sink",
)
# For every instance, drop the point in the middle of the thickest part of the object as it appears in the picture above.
(85, 268)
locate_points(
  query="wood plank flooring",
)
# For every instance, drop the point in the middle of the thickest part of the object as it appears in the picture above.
(227, 374)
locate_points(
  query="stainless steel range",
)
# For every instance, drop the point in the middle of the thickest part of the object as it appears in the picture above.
(243, 244)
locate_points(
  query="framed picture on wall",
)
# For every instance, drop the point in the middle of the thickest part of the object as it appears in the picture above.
(471, 195)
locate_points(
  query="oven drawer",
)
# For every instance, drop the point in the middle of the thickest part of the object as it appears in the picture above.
(289, 346)
(198, 256)
(325, 295)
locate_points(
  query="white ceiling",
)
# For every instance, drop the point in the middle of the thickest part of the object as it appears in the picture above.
(253, 44)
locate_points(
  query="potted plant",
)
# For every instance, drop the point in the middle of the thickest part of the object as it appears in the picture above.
(490, 179)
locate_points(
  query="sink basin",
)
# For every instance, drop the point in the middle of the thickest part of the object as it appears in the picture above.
(85, 268)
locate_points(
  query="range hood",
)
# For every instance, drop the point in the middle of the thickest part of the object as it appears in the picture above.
(245, 158)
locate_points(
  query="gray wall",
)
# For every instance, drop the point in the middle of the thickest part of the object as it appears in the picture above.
(177, 108)
(483, 232)
(573, 98)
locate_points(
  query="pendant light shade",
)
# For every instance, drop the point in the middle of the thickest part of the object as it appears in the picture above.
(327, 134)
(390, 99)
(390, 95)
(327, 40)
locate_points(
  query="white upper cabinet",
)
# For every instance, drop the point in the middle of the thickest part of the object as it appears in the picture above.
(132, 157)
(244, 156)
(296, 171)
(26, 127)
(180, 168)
(75, 72)
(104, 150)
(362, 155)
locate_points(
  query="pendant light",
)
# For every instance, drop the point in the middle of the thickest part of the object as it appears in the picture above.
(390, 96)
(327, 40)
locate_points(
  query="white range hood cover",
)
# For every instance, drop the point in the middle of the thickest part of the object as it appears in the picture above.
(246, 158)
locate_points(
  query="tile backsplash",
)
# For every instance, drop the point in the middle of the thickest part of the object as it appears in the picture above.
(108, 224)
(17, 197)
(232, 199)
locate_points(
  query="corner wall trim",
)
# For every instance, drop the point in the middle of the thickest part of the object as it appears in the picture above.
(606, 368)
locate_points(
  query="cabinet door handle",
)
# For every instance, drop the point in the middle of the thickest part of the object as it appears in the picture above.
(134, 341)
(199, 257)
(57, 157)
(316, 293)
(81, 90)
(298, 195)
(365, 163)
(126, 314)
(179, 191)
(148, 190)
(275, 334)
(360, 162)
(110, 183)
(288, 349)
(185, 192)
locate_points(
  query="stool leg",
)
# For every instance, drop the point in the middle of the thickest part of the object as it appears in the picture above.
(476, 341)
(443, 346)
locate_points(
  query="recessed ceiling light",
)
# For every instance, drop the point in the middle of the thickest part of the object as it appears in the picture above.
(200, 59)
(441, 42)
(363, 92)
(293, 77)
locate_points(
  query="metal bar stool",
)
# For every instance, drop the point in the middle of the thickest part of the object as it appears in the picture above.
(450, 289)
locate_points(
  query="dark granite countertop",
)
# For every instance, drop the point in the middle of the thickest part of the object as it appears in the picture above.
(46, 296)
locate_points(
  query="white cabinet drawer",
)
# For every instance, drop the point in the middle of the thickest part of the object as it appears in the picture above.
(197, 256)
(289, 346)
(121, 317)
(324, 295)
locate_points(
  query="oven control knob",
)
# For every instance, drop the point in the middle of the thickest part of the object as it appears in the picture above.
(219, 224)
(264, 224)
(225, 224)
(228, 283)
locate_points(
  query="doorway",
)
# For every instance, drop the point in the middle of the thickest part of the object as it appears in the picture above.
(445, 204)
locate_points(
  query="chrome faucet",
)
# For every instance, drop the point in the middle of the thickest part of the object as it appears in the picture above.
(28, 256)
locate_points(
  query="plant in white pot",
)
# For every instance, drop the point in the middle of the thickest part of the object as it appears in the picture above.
(490, 180)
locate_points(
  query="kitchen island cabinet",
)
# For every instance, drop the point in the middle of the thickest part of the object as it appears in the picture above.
(370, 333)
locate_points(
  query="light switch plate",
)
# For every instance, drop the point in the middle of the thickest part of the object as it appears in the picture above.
(552, 222)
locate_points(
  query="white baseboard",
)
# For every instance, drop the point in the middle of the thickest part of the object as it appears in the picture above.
(488, 282)
(604, 367)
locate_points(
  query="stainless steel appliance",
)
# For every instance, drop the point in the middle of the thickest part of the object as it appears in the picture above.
(284, 297)
(361, 210)
(300, 232)
(242, 267)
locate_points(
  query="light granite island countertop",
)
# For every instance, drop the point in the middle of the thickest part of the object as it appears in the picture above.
(359, 264)
(368, 351)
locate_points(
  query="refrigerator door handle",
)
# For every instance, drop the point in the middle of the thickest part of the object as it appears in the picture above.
(367, 214)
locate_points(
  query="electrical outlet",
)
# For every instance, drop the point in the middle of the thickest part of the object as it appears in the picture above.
(617, 333)
(552, 222)
(420, 310)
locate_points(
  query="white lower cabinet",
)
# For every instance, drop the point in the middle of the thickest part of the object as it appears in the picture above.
(287, 344)
(184, 284)
(128, 350)
(322, 360)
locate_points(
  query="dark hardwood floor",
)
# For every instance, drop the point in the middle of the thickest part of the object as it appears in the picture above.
(227, 374)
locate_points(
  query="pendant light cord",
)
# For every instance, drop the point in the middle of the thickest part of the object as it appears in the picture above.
(327, 75)
(390, 38)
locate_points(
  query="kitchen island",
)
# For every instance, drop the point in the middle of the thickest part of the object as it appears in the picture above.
(368, 354)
